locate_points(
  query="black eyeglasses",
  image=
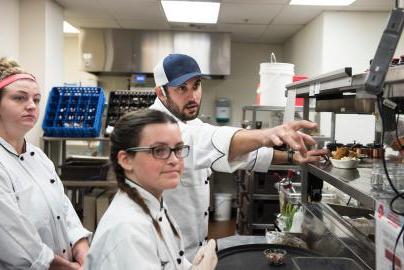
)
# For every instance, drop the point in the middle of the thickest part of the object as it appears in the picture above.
(162, 151)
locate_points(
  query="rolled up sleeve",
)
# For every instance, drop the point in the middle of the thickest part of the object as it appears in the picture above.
(258, 160)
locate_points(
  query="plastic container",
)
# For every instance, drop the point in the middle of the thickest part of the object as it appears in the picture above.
(124, 101)
(273, 79)
(222, 206)
(223, 110)
(84, 170)
(74, 112)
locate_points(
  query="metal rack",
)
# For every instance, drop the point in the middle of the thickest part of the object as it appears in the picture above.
(254, 196)
(342, 92)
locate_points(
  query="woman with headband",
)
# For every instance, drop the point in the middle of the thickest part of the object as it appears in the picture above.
(39, 228)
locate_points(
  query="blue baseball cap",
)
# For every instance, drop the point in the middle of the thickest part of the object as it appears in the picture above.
(176, 69)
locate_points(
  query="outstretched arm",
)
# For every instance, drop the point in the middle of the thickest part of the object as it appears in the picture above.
(245, 141)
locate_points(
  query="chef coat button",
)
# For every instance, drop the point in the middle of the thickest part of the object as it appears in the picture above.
(64, 250)
(18, 198)
(200, 244)
(181, 253)
(52, 181)
(32, 153)
(206, 182)
(206, 213)
(21, 158)
(206, 238)
(160, 219)
(58, 217)
(179, 261)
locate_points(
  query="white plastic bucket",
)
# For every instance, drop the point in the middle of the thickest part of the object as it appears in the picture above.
(222, 206)
(273, 79)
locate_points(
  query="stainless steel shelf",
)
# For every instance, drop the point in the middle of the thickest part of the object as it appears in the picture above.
(342, 80)
(330, 82)
(354, 182)
(269, 197)
(284, 167)
(268, 108)
(262, 226)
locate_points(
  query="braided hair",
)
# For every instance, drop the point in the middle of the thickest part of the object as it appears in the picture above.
(127, 133)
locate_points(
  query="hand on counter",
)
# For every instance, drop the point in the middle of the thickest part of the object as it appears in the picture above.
(311, 156)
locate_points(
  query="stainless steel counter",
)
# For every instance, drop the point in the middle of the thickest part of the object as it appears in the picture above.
(354, 182)
(325, 233)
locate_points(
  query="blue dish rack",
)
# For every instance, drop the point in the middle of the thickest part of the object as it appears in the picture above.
(74, 112)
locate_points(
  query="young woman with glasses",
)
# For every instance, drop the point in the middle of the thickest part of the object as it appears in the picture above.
(137, 231)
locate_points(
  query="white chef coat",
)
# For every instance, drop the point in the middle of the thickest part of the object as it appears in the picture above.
(126, 238)
(189, 202)
(37, 220)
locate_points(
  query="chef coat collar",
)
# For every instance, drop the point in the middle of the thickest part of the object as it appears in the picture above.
(9, 148)
(152, 202)
(163, 108)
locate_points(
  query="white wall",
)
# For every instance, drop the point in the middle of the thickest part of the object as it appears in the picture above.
(351, 39)
(41, 49)
(9, 28)
(348, 39)
(305, 48)
(240, 86)
(71, 59)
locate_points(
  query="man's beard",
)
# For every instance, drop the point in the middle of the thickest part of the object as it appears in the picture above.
(174, 109)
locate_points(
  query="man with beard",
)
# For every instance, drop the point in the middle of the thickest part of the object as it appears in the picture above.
(226, 149)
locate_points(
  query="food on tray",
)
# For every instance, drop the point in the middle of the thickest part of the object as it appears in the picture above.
(275, 256)
(344, 153)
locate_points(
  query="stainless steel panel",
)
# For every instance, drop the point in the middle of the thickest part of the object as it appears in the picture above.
(346, 105)
(118, 50)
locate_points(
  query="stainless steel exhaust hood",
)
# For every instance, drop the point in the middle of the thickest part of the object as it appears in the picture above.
(138, 51)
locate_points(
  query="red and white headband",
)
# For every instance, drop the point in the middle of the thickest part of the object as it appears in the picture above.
(10, 79)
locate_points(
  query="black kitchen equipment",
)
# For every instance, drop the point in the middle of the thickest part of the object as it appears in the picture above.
(84, 169)
(321, 263)
(252, 257)
(124, 101)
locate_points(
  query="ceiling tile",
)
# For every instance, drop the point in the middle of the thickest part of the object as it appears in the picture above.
(138, 24)
(93, 22)
(279, 33)
(242, 32)
(256, 1)
(297, 15)
(371, 5)
(78, 8)
(248, 13)
(134, 10)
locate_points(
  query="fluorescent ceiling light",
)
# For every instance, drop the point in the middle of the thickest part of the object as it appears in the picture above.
(322, 2)
(191, 12)
(68, 28)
